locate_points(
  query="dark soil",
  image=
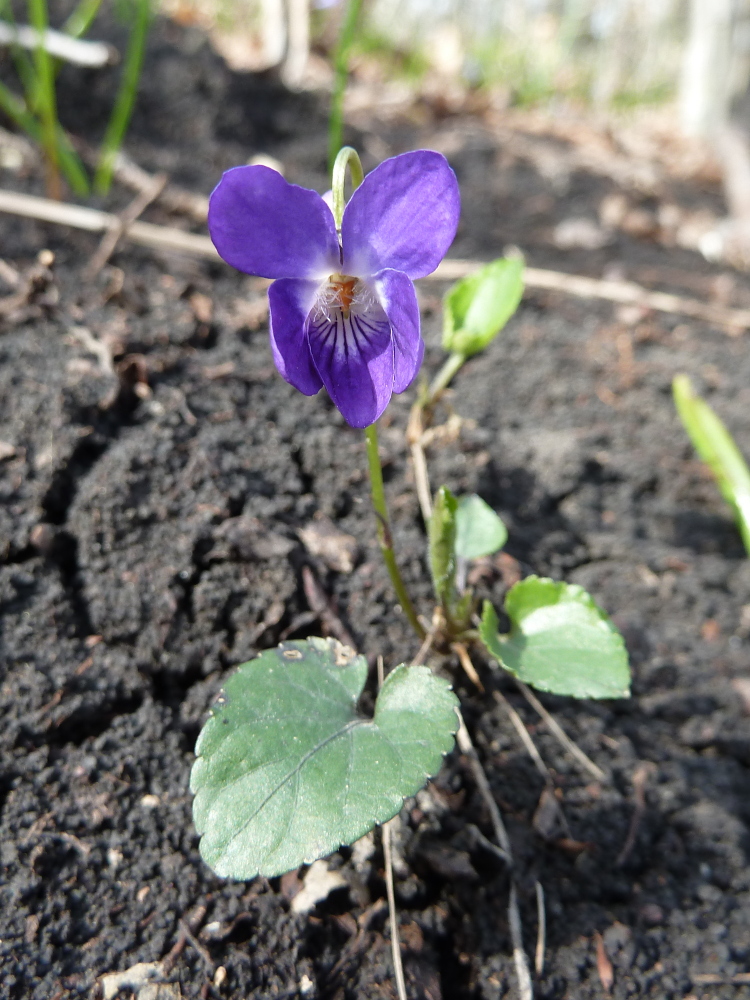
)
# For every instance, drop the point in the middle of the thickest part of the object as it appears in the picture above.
(148, 543)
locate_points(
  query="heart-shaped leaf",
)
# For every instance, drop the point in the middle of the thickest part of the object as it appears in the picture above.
(560, 641)
(287, 770)
(479, 531)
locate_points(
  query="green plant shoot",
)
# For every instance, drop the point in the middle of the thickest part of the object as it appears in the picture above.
(125, 100)
(716, 447)
(475, 310)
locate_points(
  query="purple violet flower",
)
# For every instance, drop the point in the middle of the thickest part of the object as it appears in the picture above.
(344, 311)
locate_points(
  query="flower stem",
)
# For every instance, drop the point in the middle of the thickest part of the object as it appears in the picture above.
(384, 529)
(444, 376)
(346, 157)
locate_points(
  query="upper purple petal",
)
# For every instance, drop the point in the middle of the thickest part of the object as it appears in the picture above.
(290, 300)
(263, 225)
(399, 300)
(354, 357)
(403, 216)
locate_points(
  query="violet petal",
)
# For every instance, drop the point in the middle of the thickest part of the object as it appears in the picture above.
(263, 225)
(290, 300)
(354, 357)
(399, 300)
(403, 216)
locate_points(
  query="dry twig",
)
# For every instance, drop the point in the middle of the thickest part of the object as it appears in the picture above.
(393, 915)
(466, 747)
(91, 219)
(79, 51)
(640, 779)
(465, 660)
(126, 219)
(603, 964)
(398, 968)
(733, 321)
(557, 731)
(541, 932)
(414, 436)
(322, 607)
(526, 739)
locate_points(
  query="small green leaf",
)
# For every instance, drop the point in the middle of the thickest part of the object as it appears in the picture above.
(716, 447)
(479, 531)
(286, 768)
(442, 531)
(560, 641)
(476, 308)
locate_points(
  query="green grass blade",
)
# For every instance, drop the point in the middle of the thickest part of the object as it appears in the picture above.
(717, 449)
(123, 108)
(71, 165)
(21, 59)
(341, 72)
(15, 108)
(45, 97)
(81, 18)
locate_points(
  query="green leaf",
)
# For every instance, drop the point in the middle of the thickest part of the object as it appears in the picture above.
(479, 531)
(716, 447)
(442, 532)
(560, 641)
(476, 308)
(286, 768)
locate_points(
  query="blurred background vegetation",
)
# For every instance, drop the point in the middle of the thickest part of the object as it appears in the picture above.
(607, 54)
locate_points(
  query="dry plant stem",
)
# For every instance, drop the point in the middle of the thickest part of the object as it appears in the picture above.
(388, 861)
(428, 639)
(414, 433)
(640, 779)
(523, 974)
(469, 669)
(129, 174)
(78, 217)
(113, 236)
(384, 529)
(733, 321)
(541, 933)
(78, 51)
(393, 916)
(559, 733)
(526, 739)
(467, 748)
(624, 292)
(501, 835)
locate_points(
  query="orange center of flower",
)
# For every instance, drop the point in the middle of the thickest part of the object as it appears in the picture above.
(342, 290)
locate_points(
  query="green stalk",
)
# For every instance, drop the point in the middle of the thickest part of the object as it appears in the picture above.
(21, 59)
(16, 110)
(45, 95)
(341, 72)
(123, 108)
(81, 18)
(70, 163)
(347, 156)
(384, 529)
(443, 378)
